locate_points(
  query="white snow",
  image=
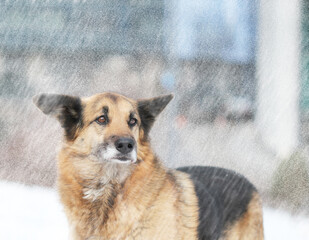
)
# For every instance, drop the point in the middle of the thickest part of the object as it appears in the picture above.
(35, 213)
(282, 226)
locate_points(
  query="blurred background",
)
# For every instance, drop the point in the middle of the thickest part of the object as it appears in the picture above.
(239, 70)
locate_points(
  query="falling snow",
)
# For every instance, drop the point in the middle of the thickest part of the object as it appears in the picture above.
(238, 69)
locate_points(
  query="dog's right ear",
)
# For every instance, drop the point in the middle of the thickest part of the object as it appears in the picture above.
(67, 109)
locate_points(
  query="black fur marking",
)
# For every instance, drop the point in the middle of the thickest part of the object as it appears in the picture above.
(67, 109)
(112, 97)
(172, 179)
(223, 198)
(105, 110)
(149, 109)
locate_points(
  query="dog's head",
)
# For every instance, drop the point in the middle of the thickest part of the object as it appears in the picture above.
(108, 127)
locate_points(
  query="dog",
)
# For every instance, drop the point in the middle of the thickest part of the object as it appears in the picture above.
(114, 187)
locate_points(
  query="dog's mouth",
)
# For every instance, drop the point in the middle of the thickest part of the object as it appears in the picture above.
(123, 159)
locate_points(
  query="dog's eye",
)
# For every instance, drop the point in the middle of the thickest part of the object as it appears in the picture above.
(132, 122)
(101, 120)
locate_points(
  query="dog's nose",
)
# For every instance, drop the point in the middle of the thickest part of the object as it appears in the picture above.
(124, 145)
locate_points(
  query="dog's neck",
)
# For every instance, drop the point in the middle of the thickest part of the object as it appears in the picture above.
(91, 192)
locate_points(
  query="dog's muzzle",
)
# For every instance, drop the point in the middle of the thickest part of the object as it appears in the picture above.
(121, 150)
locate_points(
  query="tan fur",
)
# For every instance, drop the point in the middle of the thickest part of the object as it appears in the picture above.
(117, 201)
(250, 225)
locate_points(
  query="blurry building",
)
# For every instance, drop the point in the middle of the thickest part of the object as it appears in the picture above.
(205, 50)
(102, 27)
(215, 41)
(213, 30)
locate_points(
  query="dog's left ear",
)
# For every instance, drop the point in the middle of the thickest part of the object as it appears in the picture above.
(66, 109)
(149, 109)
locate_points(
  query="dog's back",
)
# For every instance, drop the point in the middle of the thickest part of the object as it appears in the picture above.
(229, 205)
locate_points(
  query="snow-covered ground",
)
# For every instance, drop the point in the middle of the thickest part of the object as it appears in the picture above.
(30, 213)
(35, 213)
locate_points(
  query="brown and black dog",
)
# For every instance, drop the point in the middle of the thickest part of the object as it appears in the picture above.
(113, 186)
